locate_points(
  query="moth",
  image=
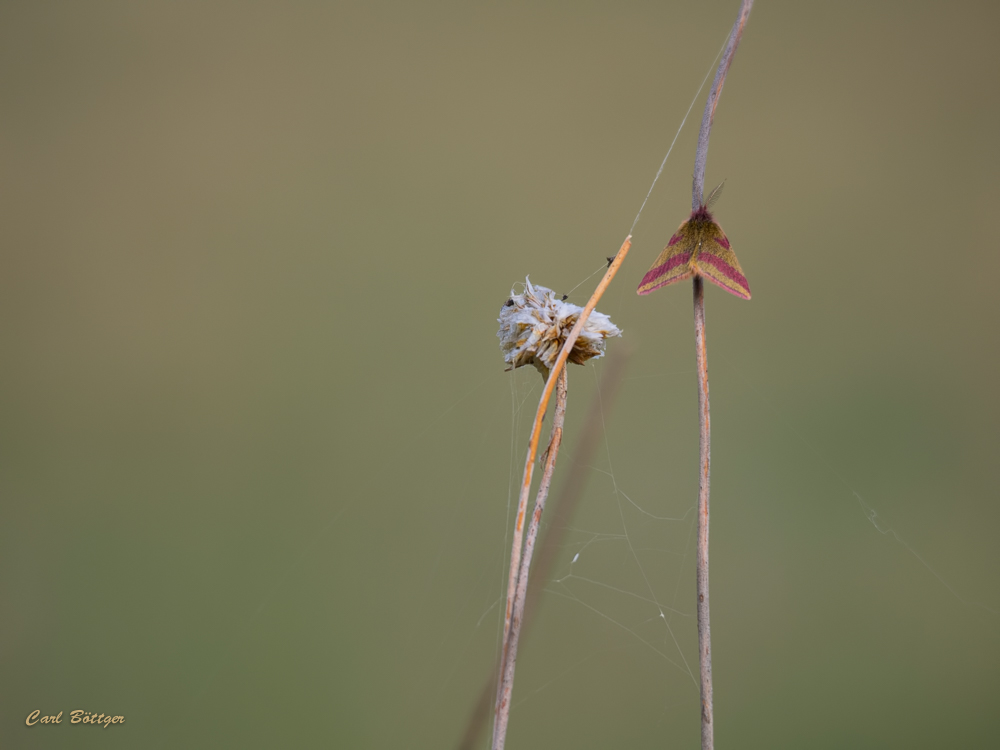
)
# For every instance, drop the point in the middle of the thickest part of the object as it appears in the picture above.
(699, 247)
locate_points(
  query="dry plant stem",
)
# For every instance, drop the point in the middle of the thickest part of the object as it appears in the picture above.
(500, 733)
(701, 154)
(561, 511)
(529, 463)
(704, 628)
(705, 458)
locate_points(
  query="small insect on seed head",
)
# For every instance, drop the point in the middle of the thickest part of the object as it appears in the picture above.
(534, 326)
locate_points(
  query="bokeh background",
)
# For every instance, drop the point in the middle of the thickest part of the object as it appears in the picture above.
(257, 441)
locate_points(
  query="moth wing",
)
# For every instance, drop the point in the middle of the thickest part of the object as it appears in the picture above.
(717, 262)
(672, 265)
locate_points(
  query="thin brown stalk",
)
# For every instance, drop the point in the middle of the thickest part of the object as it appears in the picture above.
(551, 453)
(705, 452)
(701, 153)
(561, 510)
(701, 353)
(529, 464)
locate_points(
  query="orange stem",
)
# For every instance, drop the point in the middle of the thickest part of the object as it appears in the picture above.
(529, 464)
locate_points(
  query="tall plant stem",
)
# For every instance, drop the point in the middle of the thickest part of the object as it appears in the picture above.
(551, 453)
(701, 353)
(529, 462)
(701, 153)
(560, 512)
(704, 466)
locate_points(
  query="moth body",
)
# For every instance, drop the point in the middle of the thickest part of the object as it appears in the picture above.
(698, 247)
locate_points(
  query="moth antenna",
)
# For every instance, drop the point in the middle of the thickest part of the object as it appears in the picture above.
(714, 195)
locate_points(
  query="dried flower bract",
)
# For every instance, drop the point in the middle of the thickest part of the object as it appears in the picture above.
(534, 326)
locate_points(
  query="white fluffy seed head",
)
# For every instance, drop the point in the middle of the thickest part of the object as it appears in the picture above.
(534, 326)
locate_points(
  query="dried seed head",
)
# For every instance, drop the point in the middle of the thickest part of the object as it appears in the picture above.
(534, 326)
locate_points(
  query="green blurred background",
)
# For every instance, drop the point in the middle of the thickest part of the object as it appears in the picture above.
(256, 438)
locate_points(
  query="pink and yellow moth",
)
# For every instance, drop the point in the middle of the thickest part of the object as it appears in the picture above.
(698, 247)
